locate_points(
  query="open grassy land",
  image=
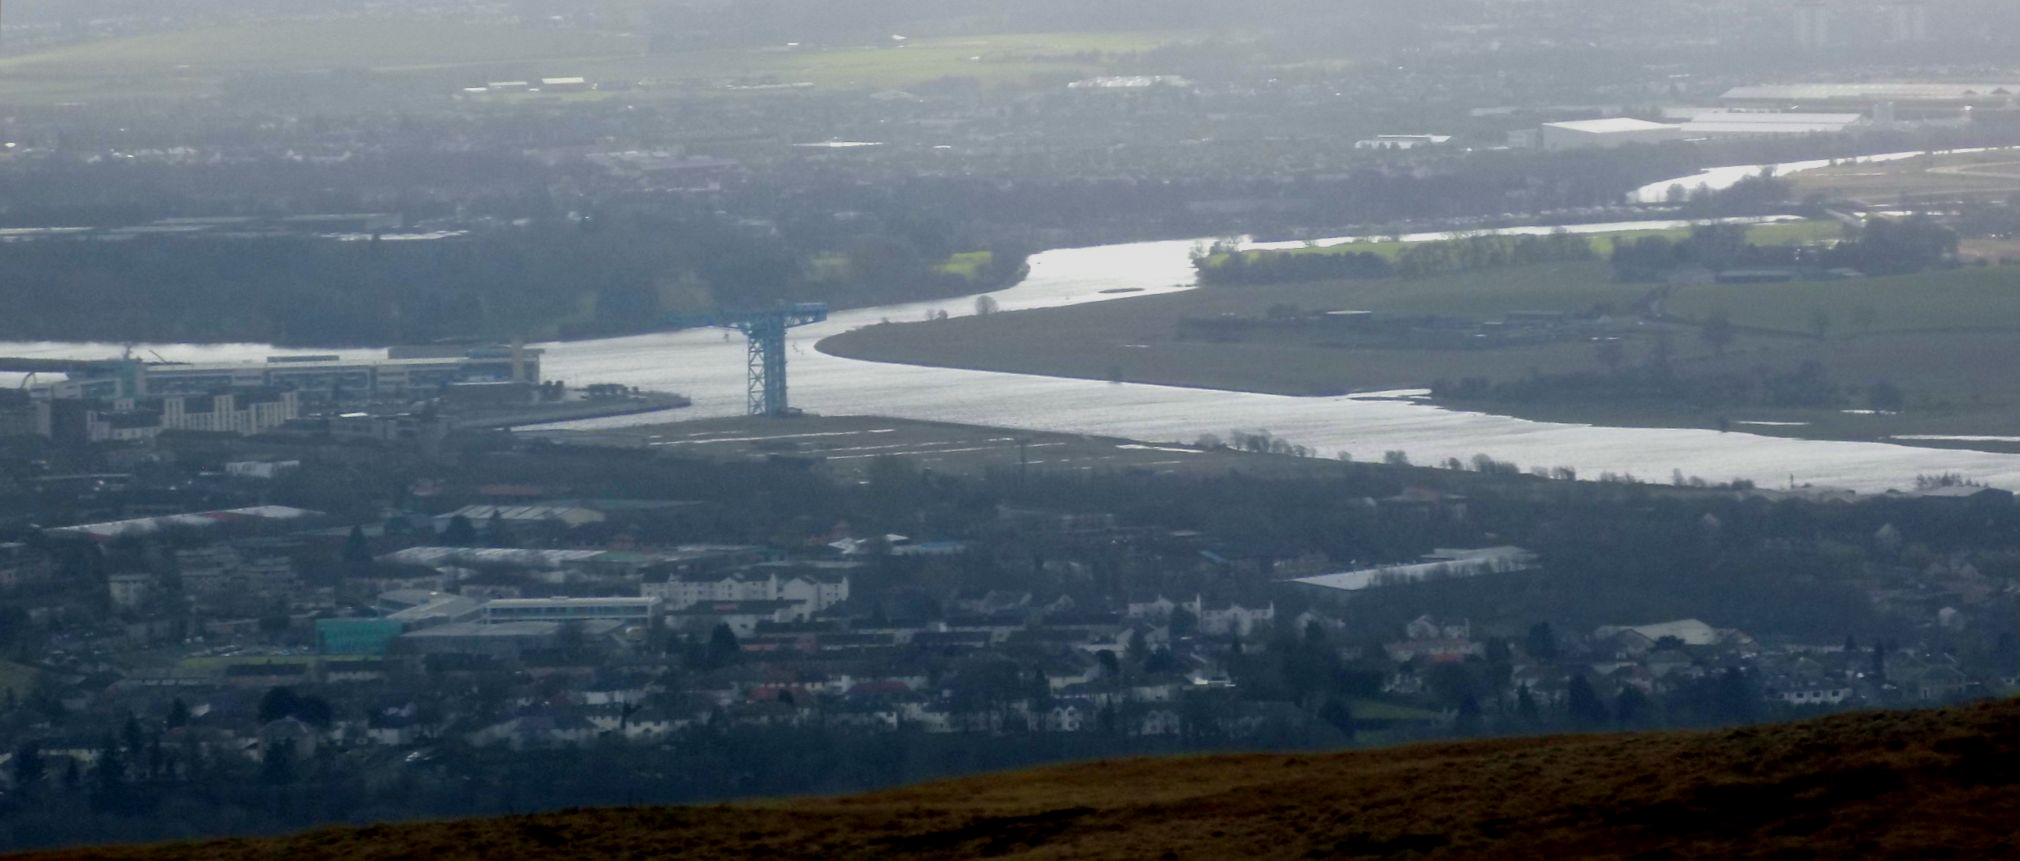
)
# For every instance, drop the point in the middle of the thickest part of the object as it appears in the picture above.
(1873, 785)
(1788, 233)
(1138, 339)
(1956, 299)
(1992, 250)
(1947, 339)
(967, 264)
(440, 56)
(992, 59)
(1986, 174)
(350, 43)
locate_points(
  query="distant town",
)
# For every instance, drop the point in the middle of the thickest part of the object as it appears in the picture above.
(344, 478)
(292, 610)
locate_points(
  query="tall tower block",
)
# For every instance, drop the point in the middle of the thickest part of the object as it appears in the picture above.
(1813, 25)
(1910, 20)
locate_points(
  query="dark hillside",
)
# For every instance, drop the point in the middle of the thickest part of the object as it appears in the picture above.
(1931, 784)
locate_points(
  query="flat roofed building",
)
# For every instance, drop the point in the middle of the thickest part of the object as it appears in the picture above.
(401, 374)
(1606, 133)
(1732, 124)
(563, 515)
(643, 611)
(1443, 564)
(244, 517)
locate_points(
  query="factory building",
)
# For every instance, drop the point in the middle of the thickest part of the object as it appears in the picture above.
(406, 373)
(1605, 134)
(245, 412)
(1718, 123)
(639, 611)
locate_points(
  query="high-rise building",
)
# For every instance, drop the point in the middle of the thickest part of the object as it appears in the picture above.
(1813, 24)
(1910, 21)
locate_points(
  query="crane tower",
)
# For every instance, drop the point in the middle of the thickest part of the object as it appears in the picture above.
(765, 332)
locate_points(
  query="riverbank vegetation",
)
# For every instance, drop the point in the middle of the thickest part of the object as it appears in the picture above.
(1635, 252)
(589, 277)
(1880, 246)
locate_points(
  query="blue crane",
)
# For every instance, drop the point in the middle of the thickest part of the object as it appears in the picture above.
(765, 332)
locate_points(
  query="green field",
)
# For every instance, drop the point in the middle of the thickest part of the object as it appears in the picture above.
(1957, 299)
(361, 43)
(1574, 287)
(1789, 233)
(992, 59)
(1957, 382)
(1137, 339)
(439, 57)
(967, 264)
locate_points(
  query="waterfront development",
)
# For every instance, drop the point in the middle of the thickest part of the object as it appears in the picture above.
(707, 366)
(629, 416)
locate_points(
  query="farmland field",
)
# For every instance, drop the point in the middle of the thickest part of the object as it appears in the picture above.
(439, 56)
(1969, 298)
(1946, 339)
(1136, 339)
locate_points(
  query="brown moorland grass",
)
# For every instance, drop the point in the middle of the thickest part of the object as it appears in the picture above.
(1922, 784)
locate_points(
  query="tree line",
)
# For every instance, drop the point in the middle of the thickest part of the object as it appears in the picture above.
(1224, 263)
(600, 275)
(1881, 246)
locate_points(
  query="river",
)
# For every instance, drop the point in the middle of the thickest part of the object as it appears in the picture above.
(708, 366)
(710, 369)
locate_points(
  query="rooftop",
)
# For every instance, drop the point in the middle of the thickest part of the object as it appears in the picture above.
(1611, 125)
(1440, 564)
(1906, 91)
(198, 520)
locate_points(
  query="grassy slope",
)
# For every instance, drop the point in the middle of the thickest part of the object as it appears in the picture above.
(1901, 784)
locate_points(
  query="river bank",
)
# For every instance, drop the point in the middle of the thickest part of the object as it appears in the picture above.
(1947, 402)
(710, 367)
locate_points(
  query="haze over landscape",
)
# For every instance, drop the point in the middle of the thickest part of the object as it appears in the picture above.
(1149, 428)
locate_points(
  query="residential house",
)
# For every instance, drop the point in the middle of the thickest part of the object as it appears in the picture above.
(1220, 619)
(1158, 722)
(1638, 640)
(129, 591)
(1067, 716)
(1150, 608)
